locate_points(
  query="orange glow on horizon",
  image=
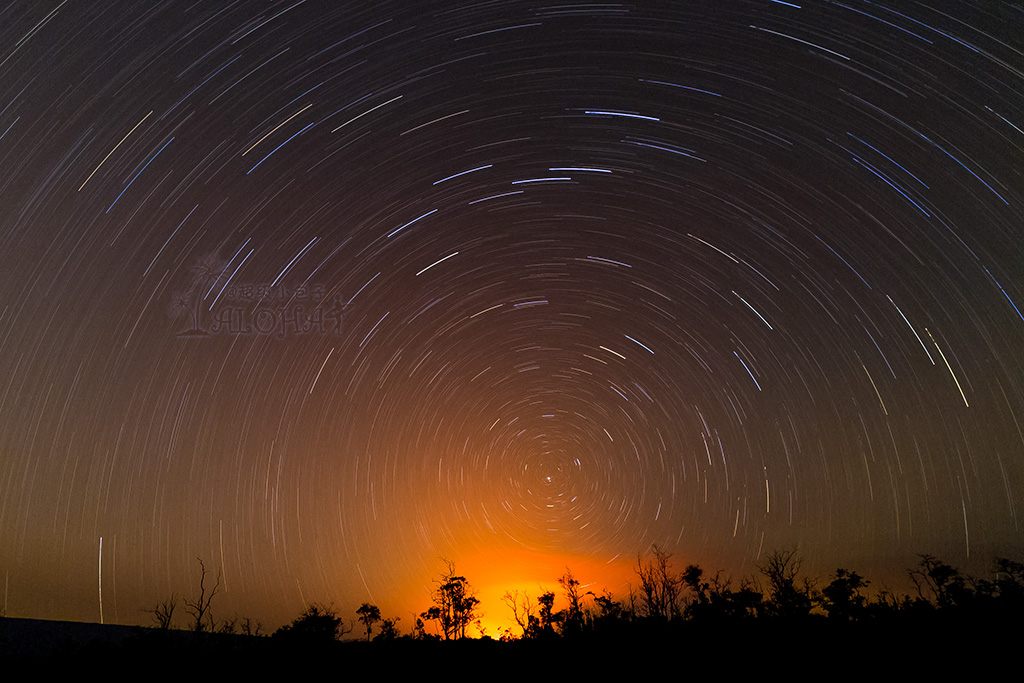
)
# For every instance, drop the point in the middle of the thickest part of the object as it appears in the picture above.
(534, 573)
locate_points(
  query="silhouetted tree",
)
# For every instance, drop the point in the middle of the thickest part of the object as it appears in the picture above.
(784, 597)
(388, 630)
(659, 588)
(842, 598)
(886, 605)
(419, 629)
(633, 601)
(199, 608)
(547, 618)
(368, 615)
(454, 604)
(248, 627)
(522, 611)
(611, 616)
(715, 600)
(573, 619)
(609, 610)
(1009, 581)
(163, 613)
(237, 625)
(1000, 599)
(939, 581)
(693, 581)
(228, 626)
(745, 603)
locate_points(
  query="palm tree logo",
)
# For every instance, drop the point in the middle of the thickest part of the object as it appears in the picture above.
(205, 276)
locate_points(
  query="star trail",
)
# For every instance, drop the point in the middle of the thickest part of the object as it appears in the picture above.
(324, 292)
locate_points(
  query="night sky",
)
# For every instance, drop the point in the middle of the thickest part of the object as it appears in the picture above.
(324, 292)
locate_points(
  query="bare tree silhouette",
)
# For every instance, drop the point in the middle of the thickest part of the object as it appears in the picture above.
(785, 597)
(660, 588)
(522, 611)
(199, 608)
(163, 613)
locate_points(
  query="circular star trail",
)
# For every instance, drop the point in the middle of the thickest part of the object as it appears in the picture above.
(322, 292)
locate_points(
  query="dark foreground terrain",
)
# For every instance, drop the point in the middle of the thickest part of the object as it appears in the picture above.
(810, 648)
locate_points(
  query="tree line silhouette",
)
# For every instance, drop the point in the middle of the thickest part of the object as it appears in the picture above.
(704, 623)
(665, 599)
(663, 602)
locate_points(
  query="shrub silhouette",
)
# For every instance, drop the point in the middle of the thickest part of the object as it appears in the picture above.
(318, 625)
